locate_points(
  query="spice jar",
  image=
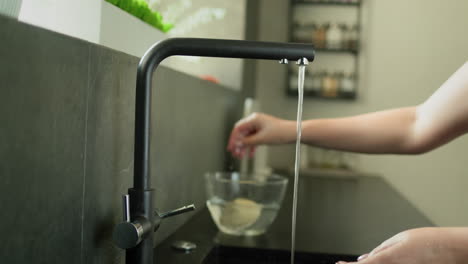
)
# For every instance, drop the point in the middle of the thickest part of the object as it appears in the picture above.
(319, 36)
(334, 37)
(329, 86)
(348, 85)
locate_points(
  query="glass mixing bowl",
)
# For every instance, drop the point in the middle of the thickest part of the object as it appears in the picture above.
(244, 204)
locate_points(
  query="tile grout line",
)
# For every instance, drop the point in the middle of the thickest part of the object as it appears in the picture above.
(85, 156)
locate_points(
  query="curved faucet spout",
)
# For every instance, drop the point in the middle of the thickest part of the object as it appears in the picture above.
(194, 47)
(224, 48)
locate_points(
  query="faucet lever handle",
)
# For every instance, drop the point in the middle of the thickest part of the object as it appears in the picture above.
(177, 211)
(126, 207)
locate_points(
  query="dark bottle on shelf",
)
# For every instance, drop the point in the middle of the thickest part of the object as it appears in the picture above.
(345, 32)
(353, 37)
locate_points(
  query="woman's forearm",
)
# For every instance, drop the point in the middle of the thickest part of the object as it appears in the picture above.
(380, 132)
(410, 130)
(455, 241)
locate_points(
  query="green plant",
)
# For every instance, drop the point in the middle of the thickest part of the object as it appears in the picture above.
(140, 9)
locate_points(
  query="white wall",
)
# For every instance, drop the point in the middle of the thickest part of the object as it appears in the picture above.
(99, 22)
(413, 47)
(80, 19)
(122, 31)
(409, 49)
(211, 19)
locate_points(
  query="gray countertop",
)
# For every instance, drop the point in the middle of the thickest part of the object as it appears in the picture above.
(343, 215)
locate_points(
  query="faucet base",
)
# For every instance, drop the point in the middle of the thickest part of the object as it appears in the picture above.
(141, 207)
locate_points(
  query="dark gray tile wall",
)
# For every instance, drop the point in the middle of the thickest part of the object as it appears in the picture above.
(43, 90)
(109, 151)
(66, 144)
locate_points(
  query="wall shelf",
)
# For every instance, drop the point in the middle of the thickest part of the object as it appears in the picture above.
(328, 3)
(337, 72)
(314, 94)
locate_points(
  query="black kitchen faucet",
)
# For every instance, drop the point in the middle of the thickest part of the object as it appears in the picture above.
(140, 218)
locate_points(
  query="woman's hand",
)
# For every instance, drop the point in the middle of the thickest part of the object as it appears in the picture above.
(259, 129)
(421, 246)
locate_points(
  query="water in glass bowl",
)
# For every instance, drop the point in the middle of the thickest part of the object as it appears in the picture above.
(242, 216)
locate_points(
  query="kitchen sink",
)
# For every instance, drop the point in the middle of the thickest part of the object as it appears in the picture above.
(228, 255)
